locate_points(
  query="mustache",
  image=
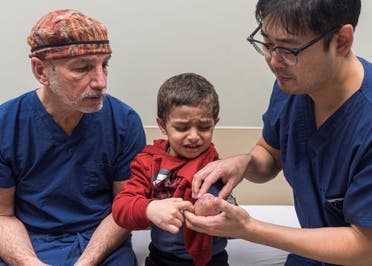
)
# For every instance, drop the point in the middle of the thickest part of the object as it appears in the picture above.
(94, 94)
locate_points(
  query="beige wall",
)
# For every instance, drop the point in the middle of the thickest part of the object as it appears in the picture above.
(231, 141)
(153, 40)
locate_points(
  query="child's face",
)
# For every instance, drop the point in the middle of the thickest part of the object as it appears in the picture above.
(189, 130)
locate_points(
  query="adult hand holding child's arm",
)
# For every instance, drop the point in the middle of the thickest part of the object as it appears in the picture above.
(230, 221)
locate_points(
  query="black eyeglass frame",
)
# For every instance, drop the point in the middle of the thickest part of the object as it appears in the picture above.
(294, 51)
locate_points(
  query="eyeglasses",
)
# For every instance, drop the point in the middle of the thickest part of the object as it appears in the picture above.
(287, 55)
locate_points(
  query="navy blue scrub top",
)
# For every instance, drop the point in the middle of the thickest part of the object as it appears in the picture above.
(64, 183)
(330, 168)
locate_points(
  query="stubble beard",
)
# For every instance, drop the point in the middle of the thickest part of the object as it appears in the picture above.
(55, 88)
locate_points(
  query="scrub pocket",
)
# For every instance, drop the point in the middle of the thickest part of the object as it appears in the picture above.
(98, 179)
(333, 211)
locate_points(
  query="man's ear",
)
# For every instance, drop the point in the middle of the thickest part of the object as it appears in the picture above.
(161, 126)
(39, 69)
(344, 39)
(216, 120)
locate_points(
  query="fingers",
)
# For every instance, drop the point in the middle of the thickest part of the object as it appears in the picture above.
(203, 224)
(179, 218)
(179, 207)
(172, 226)
(194, 222)
(197, 182)
(222, 205)
(204, 179)
(226, 189)
(167, 214)
(229, 222)
(185, 205)
(175, 224)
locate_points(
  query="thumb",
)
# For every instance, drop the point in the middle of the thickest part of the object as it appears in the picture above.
(187, 206)
(225, 191)
(223, 205)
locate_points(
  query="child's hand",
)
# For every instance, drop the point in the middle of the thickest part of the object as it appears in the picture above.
(167, 214)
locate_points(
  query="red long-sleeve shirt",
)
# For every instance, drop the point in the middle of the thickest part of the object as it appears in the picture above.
(155, 174)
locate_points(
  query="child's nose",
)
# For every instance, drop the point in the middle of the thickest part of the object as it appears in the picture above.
(193, 134)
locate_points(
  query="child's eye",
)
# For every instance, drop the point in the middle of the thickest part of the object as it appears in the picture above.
(205, 128)
(181, 129)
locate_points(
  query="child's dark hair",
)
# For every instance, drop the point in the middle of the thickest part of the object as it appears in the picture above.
(186, 89)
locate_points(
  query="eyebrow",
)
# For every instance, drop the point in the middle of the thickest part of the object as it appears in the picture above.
(86, 60)
(282, 40)
(203, 121)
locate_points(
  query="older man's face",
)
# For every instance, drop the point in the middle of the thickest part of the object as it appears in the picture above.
(80, 82)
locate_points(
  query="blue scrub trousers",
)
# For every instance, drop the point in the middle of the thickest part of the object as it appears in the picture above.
(65, 250)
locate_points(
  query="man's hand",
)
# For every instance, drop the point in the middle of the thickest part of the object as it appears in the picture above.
(230, 170)
(232, 220)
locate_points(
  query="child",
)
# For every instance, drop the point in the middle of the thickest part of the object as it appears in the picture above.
(159, 189)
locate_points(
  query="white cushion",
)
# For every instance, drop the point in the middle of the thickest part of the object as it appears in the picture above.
(241, 252)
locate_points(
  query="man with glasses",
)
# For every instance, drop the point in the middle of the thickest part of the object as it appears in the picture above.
(317, 128)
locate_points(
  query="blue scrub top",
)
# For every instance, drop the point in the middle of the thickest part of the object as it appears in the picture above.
(64, 183)
(329, 169)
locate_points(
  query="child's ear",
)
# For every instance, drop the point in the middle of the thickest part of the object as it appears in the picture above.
(161, 126)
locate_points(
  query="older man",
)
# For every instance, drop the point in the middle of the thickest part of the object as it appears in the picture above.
(65, 150)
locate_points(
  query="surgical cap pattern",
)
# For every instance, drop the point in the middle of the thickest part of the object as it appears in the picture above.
(67, 33)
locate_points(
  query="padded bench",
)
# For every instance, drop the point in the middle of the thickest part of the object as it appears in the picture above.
(241, 252)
